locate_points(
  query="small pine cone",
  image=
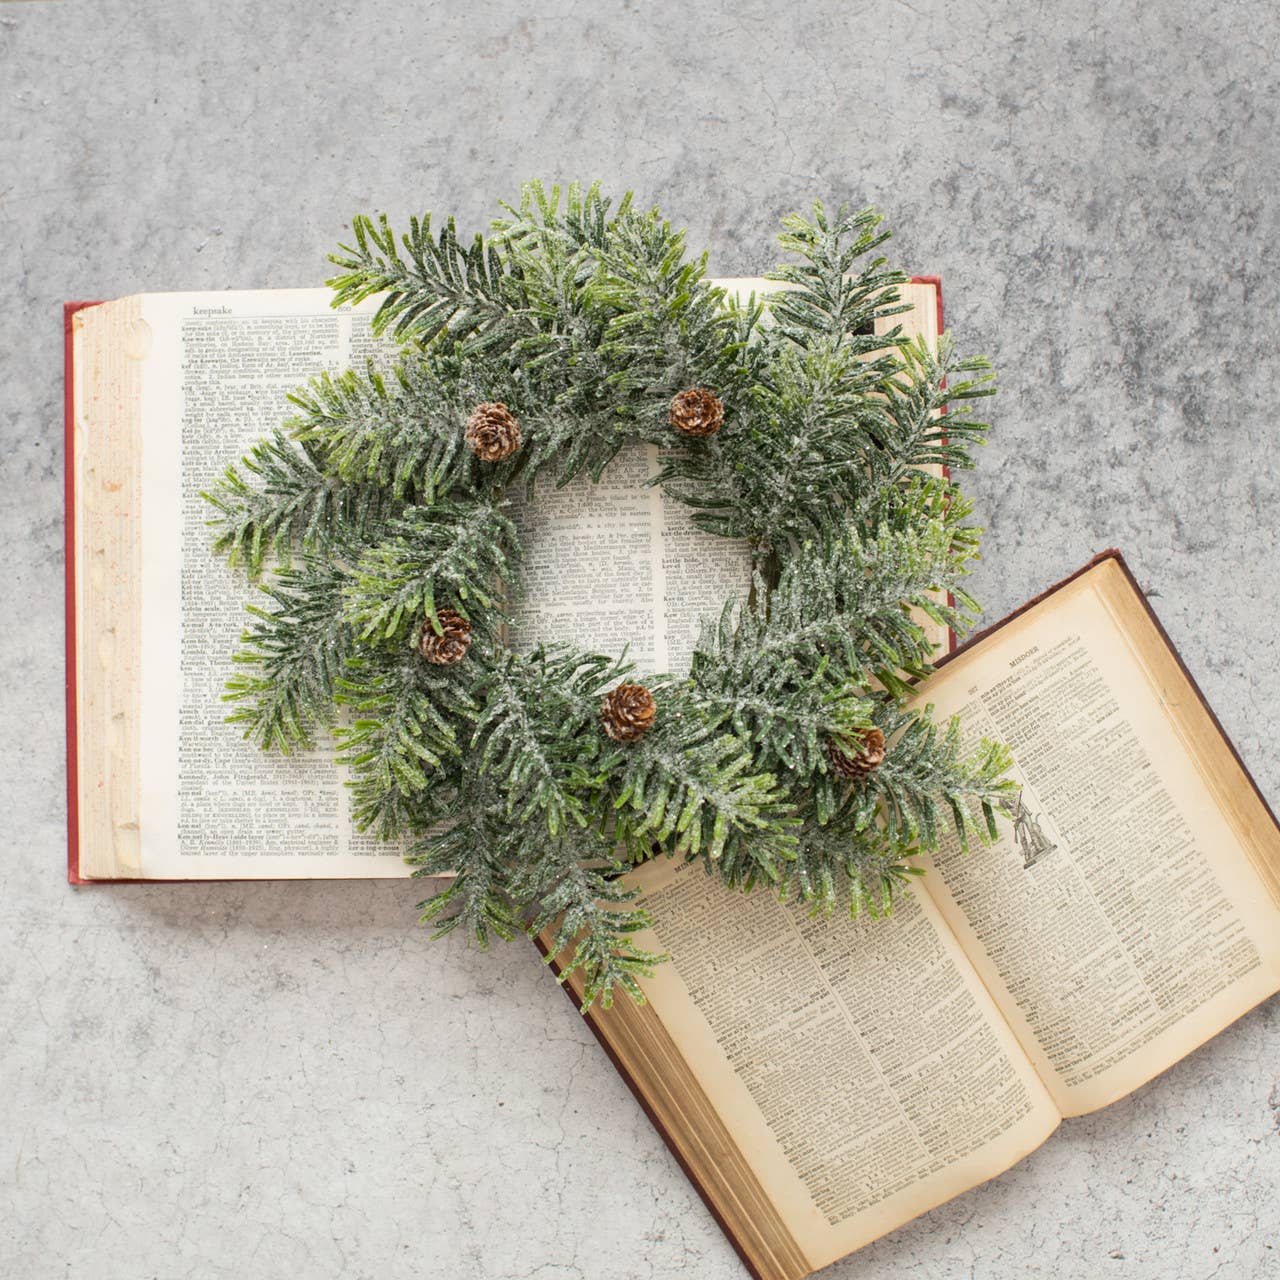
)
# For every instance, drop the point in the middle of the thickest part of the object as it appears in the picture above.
(493, 432)
(627, 712)
(697, 412)
(453, 642)
(868, 757)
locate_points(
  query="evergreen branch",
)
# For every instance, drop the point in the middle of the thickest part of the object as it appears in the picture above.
(856, 840)
(797, 461)
(574, 882)
(407, 437)
(845, 860)
(537, 223)
(297, 651)
(851, 596)
(927, 777)
(478, 851)
(402, 744)
(773, 696)
(618, 301)
(827, 301)
(930, 775)
(538, 730)
(693, 790)
(443, 288)
(292, 501)
(447, 554)
(570, 883)
(665, 328)
(916, 394)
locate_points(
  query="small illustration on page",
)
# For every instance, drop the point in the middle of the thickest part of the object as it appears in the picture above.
(1027, 831)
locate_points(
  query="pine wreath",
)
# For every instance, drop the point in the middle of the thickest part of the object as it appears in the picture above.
(375, 519)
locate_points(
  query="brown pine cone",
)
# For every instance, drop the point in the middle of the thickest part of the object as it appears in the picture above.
(866, 759)
(453, 642)
(627, 712)
(493, 432)
(697, 412)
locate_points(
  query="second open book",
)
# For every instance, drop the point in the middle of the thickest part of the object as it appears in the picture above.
(824, 1080)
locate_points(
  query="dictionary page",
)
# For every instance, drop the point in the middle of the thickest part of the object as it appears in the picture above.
(1131, 908)
(170, 388)
(215, 378)
(858, 1069)
(618, 565)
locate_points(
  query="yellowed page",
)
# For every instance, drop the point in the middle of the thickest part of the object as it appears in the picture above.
(1119, 922)
(860, 1067)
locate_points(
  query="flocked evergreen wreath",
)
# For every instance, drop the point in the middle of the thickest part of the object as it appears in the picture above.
(786, 758)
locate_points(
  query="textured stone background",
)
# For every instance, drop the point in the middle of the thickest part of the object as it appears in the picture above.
(229, 1081)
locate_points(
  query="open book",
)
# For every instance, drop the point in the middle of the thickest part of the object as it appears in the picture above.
(163, 392)
(822, 1081)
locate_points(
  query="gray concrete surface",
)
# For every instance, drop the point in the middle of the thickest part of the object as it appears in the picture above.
(251, 1082)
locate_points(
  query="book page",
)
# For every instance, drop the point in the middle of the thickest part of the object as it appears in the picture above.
(859, 1067)
(617, 565)
(1120, 921)
(214, 382)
